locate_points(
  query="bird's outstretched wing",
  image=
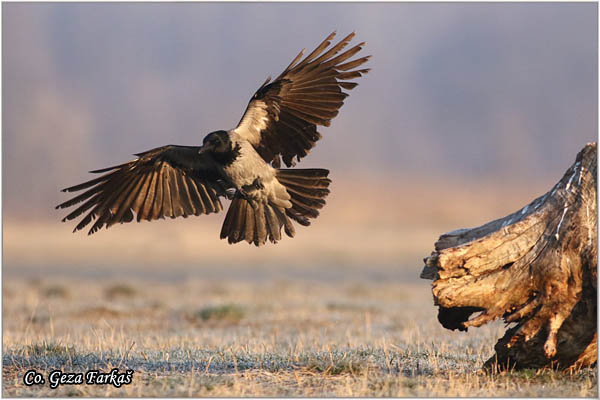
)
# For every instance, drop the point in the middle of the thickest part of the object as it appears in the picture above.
(282, 117)
(168, 181)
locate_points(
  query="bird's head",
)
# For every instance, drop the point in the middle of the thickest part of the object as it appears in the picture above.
(217, 142)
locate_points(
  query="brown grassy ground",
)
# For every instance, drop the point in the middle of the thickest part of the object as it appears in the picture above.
(347, 335)
(332, 312)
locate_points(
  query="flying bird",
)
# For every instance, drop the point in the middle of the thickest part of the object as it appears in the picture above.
(242, 164)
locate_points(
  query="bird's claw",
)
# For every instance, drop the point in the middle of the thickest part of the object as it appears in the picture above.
(243, 193)
(258, 184)
(230, 194)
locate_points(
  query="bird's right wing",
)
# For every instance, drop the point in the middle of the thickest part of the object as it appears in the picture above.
(168, 181)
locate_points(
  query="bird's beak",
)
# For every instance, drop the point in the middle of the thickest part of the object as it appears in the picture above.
(202, 150)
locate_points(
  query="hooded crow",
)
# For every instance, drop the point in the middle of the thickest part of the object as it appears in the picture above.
(241, 164)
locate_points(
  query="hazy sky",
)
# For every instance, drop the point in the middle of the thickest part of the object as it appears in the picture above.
(455, 89)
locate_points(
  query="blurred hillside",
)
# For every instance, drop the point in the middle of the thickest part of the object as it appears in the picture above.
(371, 225)
(470, 111)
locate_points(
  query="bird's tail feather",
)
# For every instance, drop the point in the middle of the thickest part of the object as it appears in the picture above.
(255, 222)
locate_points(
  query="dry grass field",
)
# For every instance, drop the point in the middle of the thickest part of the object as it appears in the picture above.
(347, 335)
(337, 311)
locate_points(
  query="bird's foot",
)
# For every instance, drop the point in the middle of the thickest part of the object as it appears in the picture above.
(254, 186)
(230, 194)
(243, 193)
(258, 184)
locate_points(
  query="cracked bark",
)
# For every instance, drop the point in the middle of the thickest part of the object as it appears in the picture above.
(535, 269)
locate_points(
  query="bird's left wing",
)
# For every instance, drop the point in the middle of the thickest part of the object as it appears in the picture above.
(282, 117)
(168, 181)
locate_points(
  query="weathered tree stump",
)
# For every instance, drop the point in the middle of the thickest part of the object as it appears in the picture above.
(535, 268)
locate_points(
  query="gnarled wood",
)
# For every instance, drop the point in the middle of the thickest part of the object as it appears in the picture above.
(535, 268)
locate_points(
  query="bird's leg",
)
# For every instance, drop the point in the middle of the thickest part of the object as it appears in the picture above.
(245, 190)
